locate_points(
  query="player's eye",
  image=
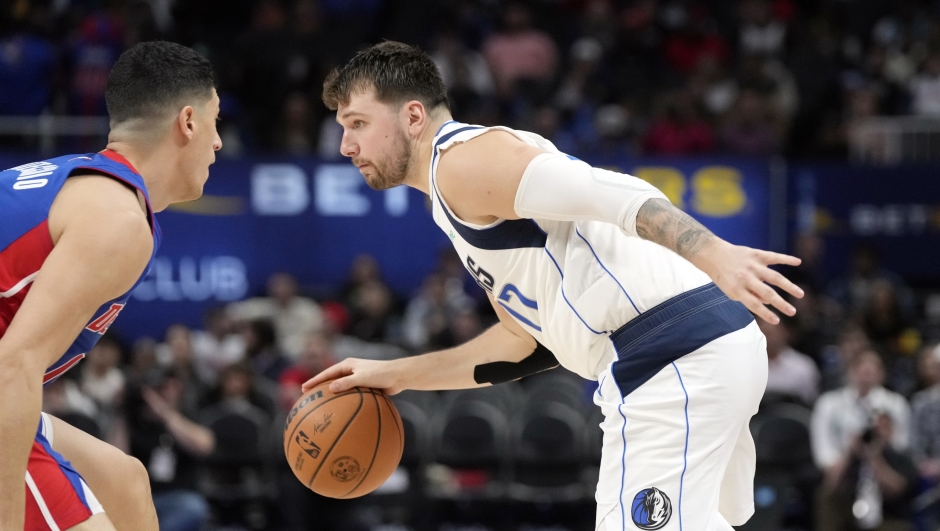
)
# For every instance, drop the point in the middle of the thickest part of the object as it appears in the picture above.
(358, 124)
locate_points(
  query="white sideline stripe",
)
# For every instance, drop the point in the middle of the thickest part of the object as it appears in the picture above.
(41, 503)
(18, 287)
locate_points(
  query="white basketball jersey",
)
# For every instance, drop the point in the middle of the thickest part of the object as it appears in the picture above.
(568, 283)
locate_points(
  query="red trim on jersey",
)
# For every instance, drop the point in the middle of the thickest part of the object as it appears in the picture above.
(60, 370)
(57, 492)
(117, 157)
(24, 256)
(19, 260)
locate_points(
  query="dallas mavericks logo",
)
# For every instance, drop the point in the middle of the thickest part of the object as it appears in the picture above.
(651, 509)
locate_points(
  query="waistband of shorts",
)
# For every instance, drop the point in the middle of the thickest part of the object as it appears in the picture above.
(672, 329)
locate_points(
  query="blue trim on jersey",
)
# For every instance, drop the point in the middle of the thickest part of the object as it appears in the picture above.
(685, 453)
(64, 465)
(623, 468)
(591, 247)
(562, 289)
(508, 234)
(672, 329)
(516, 314)
(445, 138)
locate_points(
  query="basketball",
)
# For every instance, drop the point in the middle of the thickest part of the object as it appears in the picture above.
(343, 445)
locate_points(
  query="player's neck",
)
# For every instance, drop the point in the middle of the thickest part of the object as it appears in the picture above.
(419, 178)
(151, 165)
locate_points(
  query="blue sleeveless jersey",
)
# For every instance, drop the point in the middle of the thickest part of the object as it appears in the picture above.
(26, 195)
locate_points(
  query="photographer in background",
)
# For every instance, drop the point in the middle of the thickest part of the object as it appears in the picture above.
(860, 436)
(162, 435)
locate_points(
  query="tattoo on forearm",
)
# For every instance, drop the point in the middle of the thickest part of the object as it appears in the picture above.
(660, 222)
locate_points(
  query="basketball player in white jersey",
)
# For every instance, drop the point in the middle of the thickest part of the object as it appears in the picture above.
(592, 268)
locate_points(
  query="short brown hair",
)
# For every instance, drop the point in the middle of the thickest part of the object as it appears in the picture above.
(398, 73)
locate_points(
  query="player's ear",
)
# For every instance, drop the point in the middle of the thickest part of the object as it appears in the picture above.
(186, 122)
(416, 115)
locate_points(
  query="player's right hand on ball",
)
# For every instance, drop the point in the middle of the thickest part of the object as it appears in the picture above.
(353, 372)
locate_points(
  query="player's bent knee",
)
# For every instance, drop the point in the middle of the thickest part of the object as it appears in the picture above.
(97, 522)
(138, 478)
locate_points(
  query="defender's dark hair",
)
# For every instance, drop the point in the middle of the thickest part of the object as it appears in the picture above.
(150, 78)
(398, 73)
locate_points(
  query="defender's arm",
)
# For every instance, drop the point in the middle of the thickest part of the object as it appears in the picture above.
(102, 245)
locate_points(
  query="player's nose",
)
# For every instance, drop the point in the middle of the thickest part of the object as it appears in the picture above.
(348, 148)
(217, 143)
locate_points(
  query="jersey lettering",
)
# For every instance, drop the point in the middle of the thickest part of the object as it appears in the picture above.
(484, 279)
(31, 175)
(101, 324)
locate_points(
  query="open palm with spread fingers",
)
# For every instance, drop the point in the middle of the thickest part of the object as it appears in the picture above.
(744, 274)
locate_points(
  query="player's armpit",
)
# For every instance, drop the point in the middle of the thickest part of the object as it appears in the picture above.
(479, 178)
(496, 372)
(103, 242)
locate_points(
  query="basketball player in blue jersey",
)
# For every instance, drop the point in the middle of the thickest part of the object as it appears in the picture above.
(77, 233)
(586, 267)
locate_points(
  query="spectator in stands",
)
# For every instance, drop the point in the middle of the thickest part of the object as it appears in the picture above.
(925, 405)
(883, 319)
(164, 436)
(836, 359)
(713, 87)
(317, 356)
(296, 134)
(860, 435)
(842, 415)
(925, 88)
(99, 41)
(27, 68)
(464, 71)
(143, 358)
(871, 487)
(64, 398)
(693, 37)
(750, 129)
(238, 392)
(177, 353)
(520, 52)
(373, 318)
(759, 31)
(263, 353)
(430, 311)
(294, 317)
(814, 325)
(364, 269)
(679, 130)
(854, 290)
(102, 379)
(789, 373)
(218, 346)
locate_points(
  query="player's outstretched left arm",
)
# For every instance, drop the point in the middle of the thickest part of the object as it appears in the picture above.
(497, 176)
(741, 272)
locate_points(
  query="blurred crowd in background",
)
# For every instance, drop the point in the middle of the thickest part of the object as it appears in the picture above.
(750, 77)
(859, 367)
(857, 370)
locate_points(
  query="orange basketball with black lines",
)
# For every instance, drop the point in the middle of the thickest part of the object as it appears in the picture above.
(343, 445)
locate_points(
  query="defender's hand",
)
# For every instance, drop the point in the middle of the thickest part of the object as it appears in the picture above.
(743, 274)
(353, 372)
